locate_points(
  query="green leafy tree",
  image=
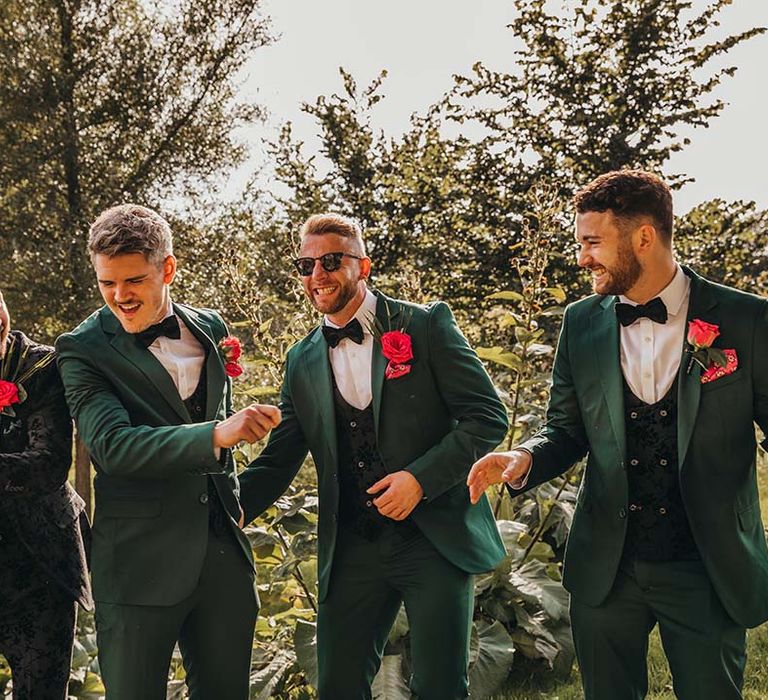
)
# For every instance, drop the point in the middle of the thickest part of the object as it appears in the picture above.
(102, 103)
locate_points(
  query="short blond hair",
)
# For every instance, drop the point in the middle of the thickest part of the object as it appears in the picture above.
(320, 224)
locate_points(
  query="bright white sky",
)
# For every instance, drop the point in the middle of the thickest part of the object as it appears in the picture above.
(422, 43)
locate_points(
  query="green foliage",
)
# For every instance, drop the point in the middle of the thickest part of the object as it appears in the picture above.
(102, 103)
(599, 85)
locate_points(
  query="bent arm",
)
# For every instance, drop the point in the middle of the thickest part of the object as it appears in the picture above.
(465, 387)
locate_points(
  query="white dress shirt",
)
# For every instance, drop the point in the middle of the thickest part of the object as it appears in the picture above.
(651, 352)
(350, 362)
(182, 358)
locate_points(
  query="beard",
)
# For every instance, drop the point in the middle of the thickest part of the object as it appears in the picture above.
(346, 293)
(623, 275)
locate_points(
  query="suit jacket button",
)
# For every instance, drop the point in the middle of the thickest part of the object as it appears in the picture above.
(203, 498)
(622, 513)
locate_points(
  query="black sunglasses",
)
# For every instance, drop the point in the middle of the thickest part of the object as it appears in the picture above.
(330, 262)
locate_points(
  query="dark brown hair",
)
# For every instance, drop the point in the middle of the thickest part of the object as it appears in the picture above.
(629, 194)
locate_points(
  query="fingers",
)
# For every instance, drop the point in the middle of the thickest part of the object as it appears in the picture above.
(381, 484)
(271, 412)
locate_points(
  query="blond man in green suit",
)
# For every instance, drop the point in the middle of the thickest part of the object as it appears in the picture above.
(394, 407)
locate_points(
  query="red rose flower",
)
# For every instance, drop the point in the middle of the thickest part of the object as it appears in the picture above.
(232, 369)
(9, 393)
(702, 334)
(231, 348)
(396, 347)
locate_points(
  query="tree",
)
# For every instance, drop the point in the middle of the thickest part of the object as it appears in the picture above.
(103, 102)
(611, 85)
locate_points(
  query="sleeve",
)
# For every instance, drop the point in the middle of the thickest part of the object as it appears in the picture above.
(265, 479)
(562, 441)
(465, 387)
(43, 466)
(760, 372)
(118, 447)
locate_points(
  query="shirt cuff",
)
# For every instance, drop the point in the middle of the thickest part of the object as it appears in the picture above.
(521, 482)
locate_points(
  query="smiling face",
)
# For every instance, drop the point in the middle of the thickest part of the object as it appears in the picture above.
(607, 253)
(333, 292)
(135, 289)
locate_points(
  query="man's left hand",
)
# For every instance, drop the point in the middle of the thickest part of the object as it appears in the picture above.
(402, 493)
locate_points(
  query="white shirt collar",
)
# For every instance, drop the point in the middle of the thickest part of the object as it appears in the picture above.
(364, 313)
(673, 295)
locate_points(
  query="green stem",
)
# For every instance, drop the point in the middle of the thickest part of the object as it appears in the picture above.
(545, 520)
(296, 572)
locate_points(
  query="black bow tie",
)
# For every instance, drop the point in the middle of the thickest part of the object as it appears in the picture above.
(353, 330)
(629, 313)
(168, 327)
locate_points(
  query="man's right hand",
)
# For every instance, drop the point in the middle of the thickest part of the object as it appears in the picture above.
(249, 425)
(495, 468)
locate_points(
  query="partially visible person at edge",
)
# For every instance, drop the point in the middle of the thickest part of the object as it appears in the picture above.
(393, 422)
(146, 381)
(44, 530)
(658, 378)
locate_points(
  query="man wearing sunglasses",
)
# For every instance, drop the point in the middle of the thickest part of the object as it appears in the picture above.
(393, 419)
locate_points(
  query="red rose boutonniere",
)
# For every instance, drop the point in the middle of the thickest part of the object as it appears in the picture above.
(230, 351)
(714, 362)
(396, 346)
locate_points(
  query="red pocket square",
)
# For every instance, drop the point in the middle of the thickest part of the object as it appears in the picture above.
(715, 371)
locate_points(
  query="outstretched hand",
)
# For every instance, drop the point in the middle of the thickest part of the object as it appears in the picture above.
(402, 493)
(495, 468)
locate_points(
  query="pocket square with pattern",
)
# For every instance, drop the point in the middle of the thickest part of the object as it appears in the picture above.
(714, 371)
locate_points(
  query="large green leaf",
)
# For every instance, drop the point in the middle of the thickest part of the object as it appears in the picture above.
(305, 645)
(491, 653)
(389, 683)
(534, 584)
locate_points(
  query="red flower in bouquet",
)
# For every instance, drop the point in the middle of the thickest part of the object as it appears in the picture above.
(9, 394)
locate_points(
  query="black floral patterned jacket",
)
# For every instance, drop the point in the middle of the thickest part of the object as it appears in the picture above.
(37, 504)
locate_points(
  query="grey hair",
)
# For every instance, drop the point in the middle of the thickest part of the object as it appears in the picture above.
(131, 228)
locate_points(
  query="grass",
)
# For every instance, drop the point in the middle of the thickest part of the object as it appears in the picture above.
(547, 687)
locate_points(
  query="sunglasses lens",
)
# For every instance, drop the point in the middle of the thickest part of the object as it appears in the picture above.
(331, 261)
(304, 266)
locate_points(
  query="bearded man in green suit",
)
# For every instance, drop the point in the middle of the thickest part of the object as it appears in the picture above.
(394, 406)
(148, 388)
(658, 379)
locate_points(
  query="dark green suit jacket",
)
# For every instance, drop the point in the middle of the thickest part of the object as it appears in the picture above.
(150, 528)
(716, 447)
(434, 422)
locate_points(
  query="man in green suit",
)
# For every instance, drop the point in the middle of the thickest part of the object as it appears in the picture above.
(659, 379)
(393, 420)
(146, 384)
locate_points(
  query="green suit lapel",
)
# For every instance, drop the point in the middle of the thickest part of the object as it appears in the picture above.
(317, 369)
(387, 313)
(607, 353)
(702, 305)
(158, 379)
(214, 366)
